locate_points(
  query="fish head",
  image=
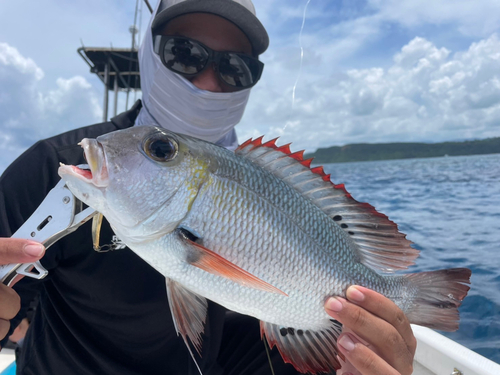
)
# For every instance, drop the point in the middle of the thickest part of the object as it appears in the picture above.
(142, 179)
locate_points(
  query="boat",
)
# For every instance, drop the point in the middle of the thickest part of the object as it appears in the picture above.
(435, 355)
(7, 362)
(439, 355)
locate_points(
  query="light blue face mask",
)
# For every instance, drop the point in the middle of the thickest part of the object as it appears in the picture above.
(174, 103)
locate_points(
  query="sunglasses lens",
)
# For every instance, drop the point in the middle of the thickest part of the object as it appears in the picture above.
(239, 70)
(183, 56)
(188, 57)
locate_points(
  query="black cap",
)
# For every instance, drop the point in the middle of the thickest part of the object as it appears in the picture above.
(239, 12)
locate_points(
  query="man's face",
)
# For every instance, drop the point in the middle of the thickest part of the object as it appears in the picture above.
(216, 33)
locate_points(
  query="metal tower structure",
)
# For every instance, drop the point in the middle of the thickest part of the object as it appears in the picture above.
(117, 68)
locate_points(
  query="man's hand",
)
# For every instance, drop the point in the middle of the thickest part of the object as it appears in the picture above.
(376, 338)
(13, 250)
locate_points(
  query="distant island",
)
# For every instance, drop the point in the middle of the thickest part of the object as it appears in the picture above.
(389, 151)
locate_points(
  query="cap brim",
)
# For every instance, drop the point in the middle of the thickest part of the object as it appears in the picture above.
(230, 10)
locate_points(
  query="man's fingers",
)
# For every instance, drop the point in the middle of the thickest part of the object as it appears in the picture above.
(380, 335)
(15, 250)
(364, 359)
(20, 331)
(10, 302)
(4, 328)
(385, 309)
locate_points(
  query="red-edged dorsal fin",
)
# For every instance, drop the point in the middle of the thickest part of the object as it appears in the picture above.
(271, 143)
(284, 149)
(318, 170)
(299, 155)
(308, 351)
(213, 263)
(246, 143)
(257, 141)
(380, 244)
(307, 162)
(189, 312)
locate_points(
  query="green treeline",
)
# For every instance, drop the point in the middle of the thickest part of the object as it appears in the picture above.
(387, 151)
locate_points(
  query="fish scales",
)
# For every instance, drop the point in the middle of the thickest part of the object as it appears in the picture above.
(308, 247)
(258, 232)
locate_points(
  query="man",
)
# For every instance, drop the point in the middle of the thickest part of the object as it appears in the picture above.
(107, 313)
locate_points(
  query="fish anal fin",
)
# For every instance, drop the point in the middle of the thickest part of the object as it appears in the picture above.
(308, 351)
(213, 263)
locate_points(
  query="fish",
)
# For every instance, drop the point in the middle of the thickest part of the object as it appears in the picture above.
(259, 231)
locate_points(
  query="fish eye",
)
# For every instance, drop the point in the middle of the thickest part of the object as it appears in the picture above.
(160, 148)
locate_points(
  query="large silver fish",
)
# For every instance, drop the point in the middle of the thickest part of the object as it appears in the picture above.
(257, 231)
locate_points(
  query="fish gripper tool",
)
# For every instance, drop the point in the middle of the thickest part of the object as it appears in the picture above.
(59, 214)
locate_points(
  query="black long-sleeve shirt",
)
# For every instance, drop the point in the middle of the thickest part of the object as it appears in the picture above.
(107, 313)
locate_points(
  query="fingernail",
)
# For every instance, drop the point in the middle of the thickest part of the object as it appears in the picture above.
(346, 342)
(34, 249)
(354, 294)
(333, 304)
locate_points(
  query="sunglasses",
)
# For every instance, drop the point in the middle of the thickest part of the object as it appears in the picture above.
(189, 57)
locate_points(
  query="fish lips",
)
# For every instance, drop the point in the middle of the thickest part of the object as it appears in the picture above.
(97, 174)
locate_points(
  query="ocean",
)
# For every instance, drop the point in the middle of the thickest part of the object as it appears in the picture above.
(449, 207)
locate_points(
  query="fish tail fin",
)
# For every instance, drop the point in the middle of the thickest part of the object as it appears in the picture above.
(439, 295)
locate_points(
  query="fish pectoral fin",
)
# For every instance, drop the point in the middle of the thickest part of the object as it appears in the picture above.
(308, 351)
(189, 312)
(213, 263)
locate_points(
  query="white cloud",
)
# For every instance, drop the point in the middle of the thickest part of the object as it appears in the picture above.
(9, 56)
(477, 18)
(364, 76)
(427, 94)
(28, 113)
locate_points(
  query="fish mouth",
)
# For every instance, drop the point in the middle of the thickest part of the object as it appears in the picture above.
(96, 171)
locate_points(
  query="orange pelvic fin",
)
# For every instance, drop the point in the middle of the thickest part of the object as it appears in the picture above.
(213, 263)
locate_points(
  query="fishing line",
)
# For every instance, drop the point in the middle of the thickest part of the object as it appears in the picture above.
(264, 339)
(138, 41)
(133, 31)
(301, 59)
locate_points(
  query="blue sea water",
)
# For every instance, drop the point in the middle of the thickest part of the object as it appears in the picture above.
(449, 208)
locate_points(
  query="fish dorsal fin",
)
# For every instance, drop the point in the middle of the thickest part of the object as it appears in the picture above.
(381, 246)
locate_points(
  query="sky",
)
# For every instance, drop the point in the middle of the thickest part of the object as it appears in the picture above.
(350, 71)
